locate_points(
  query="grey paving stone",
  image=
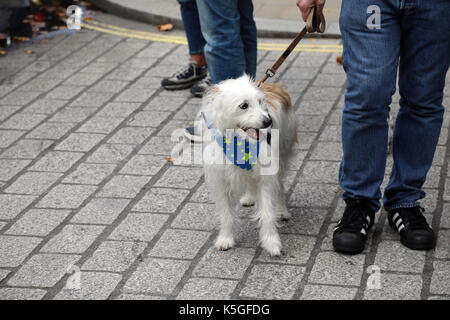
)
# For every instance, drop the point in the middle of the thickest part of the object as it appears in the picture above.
(433, 177)
(396, 287)
(305, 140)
(73, 239)
(57, 161)
(115, 256)
(9, 168)
(319, 292)
(90, 173)
(128, 296)
(159, 276)
(118, 109)
(182, 244)
(180, 177)
(439, 156)
(201, 195)
(393, 256)
(79, 142)
(443, 245)
(134, 95)
(99, 67)
(146, 165)
(34, 183)
(64, 92)
(313, 195)
(333, 268)
(43, 270)
(6, 111)
(21, 294)
(141, 227)
(22, 121)
(148, 119)
(314, 108)
(158, 145)
(309, 123)
(93, 286)
(327, 151)
(72, 114)
(38, 222)
(98, 124)
(26, 149)
(3, 274)
(123, 73)
(20, 98)
(207, 289)
(51, 130)
(14, 250)
(197, 216)
(161, 200)
(129, 135)
(12, 205)
(445, 217)
(105, 85)
(91, 99)
(173, 125)
(123, 186)
(160, 103)
(81, 78)
(296, 250)
(331, 133)
(430, 200)
(100, 211)
(296, 161)
(230, 264)
(320, 171)
(440, 278)
(110, 153)
(66, 196)
(272, 281)
(9, 136)
(45, 106)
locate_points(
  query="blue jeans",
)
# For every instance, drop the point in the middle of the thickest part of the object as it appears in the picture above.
(230, 33)
(415, 39)
(191, 21)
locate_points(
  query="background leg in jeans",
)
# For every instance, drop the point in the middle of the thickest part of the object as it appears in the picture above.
(424, 61)
(191, 21)
(370, 60)
(221, 28)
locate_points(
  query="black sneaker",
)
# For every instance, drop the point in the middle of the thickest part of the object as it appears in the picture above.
(350, 234)
(415, 232)
(199, 88)
(185, 78)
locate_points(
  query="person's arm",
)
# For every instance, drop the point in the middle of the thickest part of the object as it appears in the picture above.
(306, 5)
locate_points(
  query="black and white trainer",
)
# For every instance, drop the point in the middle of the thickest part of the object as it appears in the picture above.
(415, 232)
(199, 89)
(185, 77)
(350, 234)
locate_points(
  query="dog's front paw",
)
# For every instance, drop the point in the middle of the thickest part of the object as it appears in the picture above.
(224, 243)
(272, 244)
(247, 200)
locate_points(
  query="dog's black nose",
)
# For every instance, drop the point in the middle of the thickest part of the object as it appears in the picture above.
(267, 122)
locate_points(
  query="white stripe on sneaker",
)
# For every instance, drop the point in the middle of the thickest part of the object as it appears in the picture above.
(398, 222)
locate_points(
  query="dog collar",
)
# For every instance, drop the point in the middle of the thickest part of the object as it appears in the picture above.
(240, 151)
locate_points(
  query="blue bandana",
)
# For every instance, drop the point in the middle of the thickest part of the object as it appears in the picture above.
(240, 151)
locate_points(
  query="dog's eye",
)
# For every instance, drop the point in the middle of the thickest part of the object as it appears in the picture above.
(244, 106)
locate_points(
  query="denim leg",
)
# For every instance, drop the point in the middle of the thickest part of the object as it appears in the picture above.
(224, 50)
(191, 21)
(370, 60)
(424, 61)
(249, 36)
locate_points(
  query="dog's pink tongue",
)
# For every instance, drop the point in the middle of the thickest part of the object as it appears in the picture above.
(255, 134)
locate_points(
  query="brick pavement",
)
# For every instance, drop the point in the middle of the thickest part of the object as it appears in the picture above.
(85, 188)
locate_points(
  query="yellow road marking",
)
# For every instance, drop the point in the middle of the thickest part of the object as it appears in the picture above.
(150, 36)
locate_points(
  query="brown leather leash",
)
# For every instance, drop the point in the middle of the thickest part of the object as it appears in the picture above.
(314, 23)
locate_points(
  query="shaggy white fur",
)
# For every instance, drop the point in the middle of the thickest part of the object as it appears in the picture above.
(239, 105)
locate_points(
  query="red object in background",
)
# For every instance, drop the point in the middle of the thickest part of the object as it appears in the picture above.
(39, 17)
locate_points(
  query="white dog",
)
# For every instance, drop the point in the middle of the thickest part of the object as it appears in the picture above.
(260, 119)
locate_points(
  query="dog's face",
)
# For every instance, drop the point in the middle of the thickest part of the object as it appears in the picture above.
(238, 104)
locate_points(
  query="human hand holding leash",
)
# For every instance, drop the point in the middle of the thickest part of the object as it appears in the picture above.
(305, 7)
